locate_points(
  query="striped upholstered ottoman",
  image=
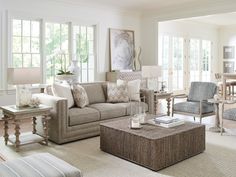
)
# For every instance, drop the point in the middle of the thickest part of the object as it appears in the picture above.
(38, 165)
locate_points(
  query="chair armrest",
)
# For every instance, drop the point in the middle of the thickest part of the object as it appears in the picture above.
(180, 96)
(149, 99)
(59, 113)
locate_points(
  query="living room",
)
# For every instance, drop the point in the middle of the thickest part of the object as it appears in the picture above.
(40, 38)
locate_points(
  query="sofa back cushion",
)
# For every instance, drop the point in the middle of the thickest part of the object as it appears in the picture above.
(95, 93)
(202, 91)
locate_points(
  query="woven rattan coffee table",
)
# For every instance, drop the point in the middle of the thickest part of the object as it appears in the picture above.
(152, 146)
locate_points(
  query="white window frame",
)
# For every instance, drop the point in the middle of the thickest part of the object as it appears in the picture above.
(10, 15)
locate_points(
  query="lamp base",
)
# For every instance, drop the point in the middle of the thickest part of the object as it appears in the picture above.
(23, 96)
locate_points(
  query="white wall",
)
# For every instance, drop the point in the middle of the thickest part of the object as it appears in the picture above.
(58, 11)
(189, 29)
(149, 26)
(227, 35)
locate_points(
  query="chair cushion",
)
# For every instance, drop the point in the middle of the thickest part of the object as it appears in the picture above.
(79, 116)
(95, 93)
(193, 107)
(109, 110)
(127, 106)
(230, 114)
(202, 91)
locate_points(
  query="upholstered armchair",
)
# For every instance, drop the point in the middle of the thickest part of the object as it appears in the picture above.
(229, 114)
(196, 104)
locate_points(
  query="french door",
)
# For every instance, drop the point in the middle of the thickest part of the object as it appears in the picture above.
(184, 61)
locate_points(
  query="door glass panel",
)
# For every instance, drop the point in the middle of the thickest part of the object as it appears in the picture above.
(206, 60)
(177, 63)
(194, 54)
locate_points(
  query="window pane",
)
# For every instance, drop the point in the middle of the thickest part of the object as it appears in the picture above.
(35, 45)
(17, 58)
(26, 28)
(16, 27)
(56, 49)
(35, 29)
(35, 60)
(16, 44)
(26, 60)
(26, 44)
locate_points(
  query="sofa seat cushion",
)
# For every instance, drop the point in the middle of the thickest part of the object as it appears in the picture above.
(230, 114)
(78, 116)
(109, 110)
(194, 107)
(135, 104)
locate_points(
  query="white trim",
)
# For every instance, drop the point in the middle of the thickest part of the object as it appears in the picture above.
(1, 53)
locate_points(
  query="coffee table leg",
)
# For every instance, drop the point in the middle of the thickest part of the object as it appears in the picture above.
(6, 135)
(34, 125)
(17, 134)
(168, 106)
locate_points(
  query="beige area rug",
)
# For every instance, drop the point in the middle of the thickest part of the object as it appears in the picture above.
(219, 159)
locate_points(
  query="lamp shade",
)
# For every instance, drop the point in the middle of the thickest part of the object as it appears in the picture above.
(154, 71)
(17, 76)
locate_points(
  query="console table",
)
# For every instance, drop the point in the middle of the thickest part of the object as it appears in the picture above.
(16, 115)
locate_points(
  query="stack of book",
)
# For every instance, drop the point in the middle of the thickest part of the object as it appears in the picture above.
(166, 121)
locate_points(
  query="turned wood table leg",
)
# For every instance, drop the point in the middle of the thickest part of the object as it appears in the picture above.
(17, 134)
(168, 106)
(45, 128)
(6, 135)
(34, 125)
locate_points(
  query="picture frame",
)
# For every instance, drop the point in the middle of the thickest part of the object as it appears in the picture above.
(122, 46)
(228, 67)
(228, 52)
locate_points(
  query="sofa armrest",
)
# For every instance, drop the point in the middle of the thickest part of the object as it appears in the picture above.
(59, 114)
(149, 99)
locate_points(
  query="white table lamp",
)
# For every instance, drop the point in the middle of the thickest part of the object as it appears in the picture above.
(21, 77)
(151, 74)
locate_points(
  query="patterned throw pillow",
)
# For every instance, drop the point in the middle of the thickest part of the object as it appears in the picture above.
(80, 96)
(117, 93)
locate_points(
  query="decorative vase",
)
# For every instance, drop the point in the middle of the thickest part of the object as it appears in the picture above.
(137, 61)
(66, 77)
(74, 68)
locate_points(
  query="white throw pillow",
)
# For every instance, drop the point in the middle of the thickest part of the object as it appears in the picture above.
(133, 88)
(64, 91)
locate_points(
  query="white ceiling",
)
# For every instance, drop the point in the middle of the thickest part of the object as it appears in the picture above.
(219, 19)
(136, 5)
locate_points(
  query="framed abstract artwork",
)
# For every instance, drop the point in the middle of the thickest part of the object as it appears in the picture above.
(228, 52)
(228, 67)
(121, 49)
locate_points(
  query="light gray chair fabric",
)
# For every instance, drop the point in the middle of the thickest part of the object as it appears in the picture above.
(202, 91)
(230, 114)
(196, 104)
(193, 107)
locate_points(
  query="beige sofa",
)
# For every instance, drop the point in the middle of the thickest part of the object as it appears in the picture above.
(76, 123)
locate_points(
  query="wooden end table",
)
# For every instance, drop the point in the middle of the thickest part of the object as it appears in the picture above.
(16, 115)
(162, 95)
